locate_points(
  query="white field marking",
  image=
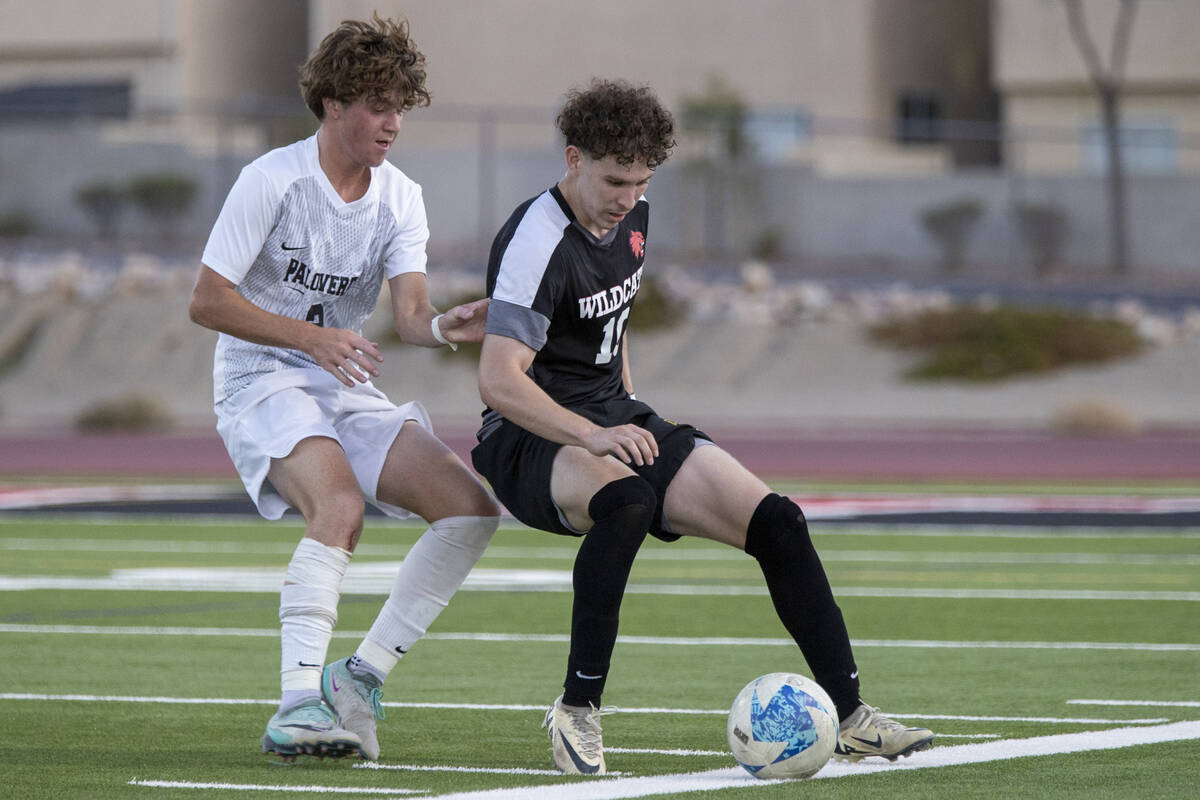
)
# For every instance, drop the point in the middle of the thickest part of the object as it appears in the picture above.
(941, 735)
(825, 505)
(149, 546)
(562, 638)
(226, 701)
(449, 768)
(100, 698)
(654, 752)
(954, 755)
(24, 497)
(891, 529)
(568, 553)
(260, 787)
(1153, 703)
(377, 577)
(858, 528)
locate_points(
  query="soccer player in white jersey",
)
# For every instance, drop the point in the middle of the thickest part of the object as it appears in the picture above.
(569, 449)
(292, 269)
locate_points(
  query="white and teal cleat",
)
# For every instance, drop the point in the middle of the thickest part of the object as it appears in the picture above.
(309, 729)
(358, 702)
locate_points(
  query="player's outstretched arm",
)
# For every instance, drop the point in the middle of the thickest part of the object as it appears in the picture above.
(466, 322)
(505, 387)
(216, 305)
(414, 316)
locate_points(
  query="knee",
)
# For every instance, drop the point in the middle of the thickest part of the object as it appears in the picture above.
(776, 518)
(483, 504)
(336, 518)
(472, 533)
(632, 497)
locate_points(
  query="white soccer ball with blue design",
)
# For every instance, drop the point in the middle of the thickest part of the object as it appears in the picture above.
(782, 725)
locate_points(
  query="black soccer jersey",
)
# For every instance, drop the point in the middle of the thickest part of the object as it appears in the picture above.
(567, 294)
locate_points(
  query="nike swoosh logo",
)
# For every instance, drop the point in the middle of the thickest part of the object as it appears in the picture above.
(579, 674)
(877, 743)
(580, 764)
(301, 663)
(333, 682)
(854, 675)
(301, 247)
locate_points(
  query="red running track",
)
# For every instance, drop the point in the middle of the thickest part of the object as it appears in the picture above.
(794, 454)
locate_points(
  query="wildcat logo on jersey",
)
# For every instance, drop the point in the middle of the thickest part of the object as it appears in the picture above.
(299, 273)
(612, 298)
(637, 243)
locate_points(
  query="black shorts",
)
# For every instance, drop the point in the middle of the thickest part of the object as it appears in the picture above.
(518, 463)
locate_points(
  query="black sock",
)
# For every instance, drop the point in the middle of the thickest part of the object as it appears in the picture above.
(778, 539)
(622, 511)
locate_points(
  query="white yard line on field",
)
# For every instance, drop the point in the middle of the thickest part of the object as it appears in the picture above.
(561, 638)
(474, 707)
(1153, 703)
(259, 787)
(955, 755)
(673, 555)
(450, 768)
(377, 577)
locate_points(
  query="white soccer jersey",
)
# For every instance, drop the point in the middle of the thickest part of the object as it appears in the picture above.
(293, 247)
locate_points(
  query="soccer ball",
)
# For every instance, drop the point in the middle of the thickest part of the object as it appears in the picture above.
(782, 725)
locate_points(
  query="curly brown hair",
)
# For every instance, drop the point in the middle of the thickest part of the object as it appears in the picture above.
(375, 59)
(618, 119)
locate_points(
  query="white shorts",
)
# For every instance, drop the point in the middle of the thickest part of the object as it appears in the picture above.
(270, 417)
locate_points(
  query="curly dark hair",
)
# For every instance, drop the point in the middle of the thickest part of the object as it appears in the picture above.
(618, 119)
(373, 59)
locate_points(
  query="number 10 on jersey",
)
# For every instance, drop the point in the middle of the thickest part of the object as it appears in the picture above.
(614, 329)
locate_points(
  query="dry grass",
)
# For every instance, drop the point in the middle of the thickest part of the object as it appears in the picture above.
(977, 344)
(130, 413)
(1096, 416)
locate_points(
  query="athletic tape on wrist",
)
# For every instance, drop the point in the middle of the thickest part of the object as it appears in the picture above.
(437, 333)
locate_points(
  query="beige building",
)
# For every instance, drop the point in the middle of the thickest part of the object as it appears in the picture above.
(1049, 100)
(842, 99)
(823, 79)
(154, 55)
(826, 81)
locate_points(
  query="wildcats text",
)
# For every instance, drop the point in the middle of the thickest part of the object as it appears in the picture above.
(609, 300)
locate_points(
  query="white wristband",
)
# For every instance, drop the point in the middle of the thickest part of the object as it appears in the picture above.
(437, 333)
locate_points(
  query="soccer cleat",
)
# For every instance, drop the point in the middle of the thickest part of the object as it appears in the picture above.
(357, 700)
(575, 737)
(866, 732)
(309, 729)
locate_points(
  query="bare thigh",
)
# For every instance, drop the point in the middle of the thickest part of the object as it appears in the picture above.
(316, 479)
(713, 496)
(424, 476)
(576, 477)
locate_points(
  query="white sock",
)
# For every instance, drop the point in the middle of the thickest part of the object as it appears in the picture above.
(431, 573)
(307, 614)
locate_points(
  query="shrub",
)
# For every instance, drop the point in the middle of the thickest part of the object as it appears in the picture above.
(950, 226)
(133, 412)
(15, 225)
(103, 202)
(163, 196)
(1094, 417)
(654, 307)
(990, 344)
(1043, 228)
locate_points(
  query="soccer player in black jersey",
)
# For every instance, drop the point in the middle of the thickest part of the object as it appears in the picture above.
(569, 449)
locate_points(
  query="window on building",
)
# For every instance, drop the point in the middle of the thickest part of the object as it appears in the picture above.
(51, 101)
(918, 115)
(1148, 147)
(774, 135)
